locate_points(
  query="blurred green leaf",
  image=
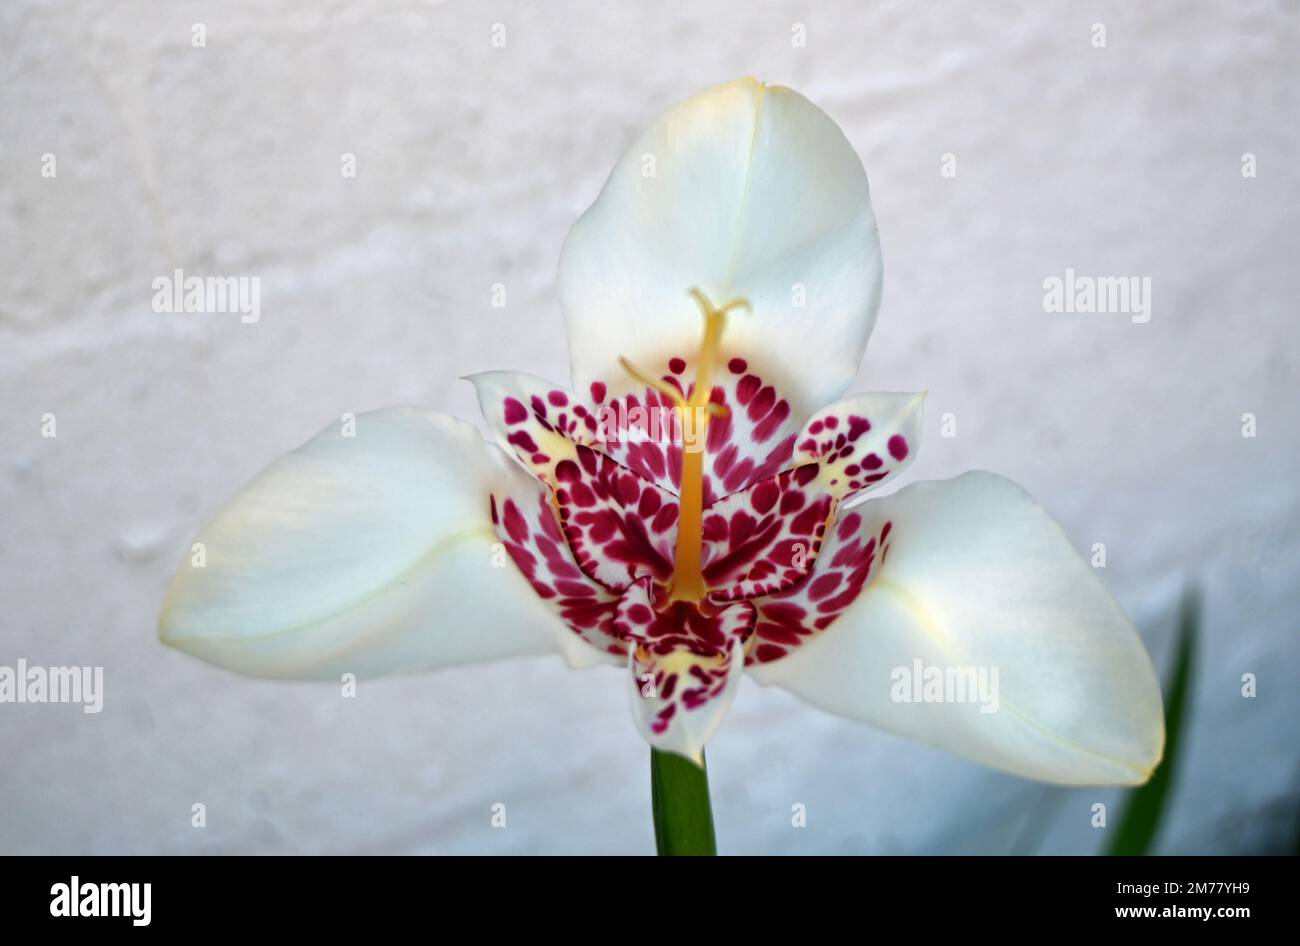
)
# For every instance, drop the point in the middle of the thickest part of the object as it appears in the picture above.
(1141, 820)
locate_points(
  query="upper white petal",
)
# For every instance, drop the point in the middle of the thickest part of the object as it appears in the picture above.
(368, 554)
(743, 190)
(979, 576)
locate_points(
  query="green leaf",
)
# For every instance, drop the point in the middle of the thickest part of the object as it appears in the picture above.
(1137, 828)
(679, 794)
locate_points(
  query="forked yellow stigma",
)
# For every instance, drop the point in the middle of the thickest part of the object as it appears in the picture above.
(687, 583)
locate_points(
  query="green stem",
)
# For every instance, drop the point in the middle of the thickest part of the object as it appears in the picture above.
(679, 793)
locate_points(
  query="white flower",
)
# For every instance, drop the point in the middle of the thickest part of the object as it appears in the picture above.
(680, 510)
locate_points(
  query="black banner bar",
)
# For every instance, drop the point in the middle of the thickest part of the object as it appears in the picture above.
(331, 894)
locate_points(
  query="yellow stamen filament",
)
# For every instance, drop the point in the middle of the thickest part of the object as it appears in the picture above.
(663, 387)
(688, 579)
(687, 582)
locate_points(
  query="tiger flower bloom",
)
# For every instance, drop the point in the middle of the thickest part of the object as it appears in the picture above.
(680, 511)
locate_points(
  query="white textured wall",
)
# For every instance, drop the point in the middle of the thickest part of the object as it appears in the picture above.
(472, 163)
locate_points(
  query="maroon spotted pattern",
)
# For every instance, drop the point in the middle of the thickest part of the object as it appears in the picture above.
(619, 526)
(750, 438)
(664, 627)
(536, 545)
(858, 449)
(849, 559)
(764, 538)
(599, 544)
(685, 656)
(540, 424)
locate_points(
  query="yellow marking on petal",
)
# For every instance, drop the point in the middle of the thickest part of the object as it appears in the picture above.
(557, 449)
(680, 661)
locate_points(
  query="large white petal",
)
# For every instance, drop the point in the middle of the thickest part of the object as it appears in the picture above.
(743, 190)
(365, 554)
(978, 576)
